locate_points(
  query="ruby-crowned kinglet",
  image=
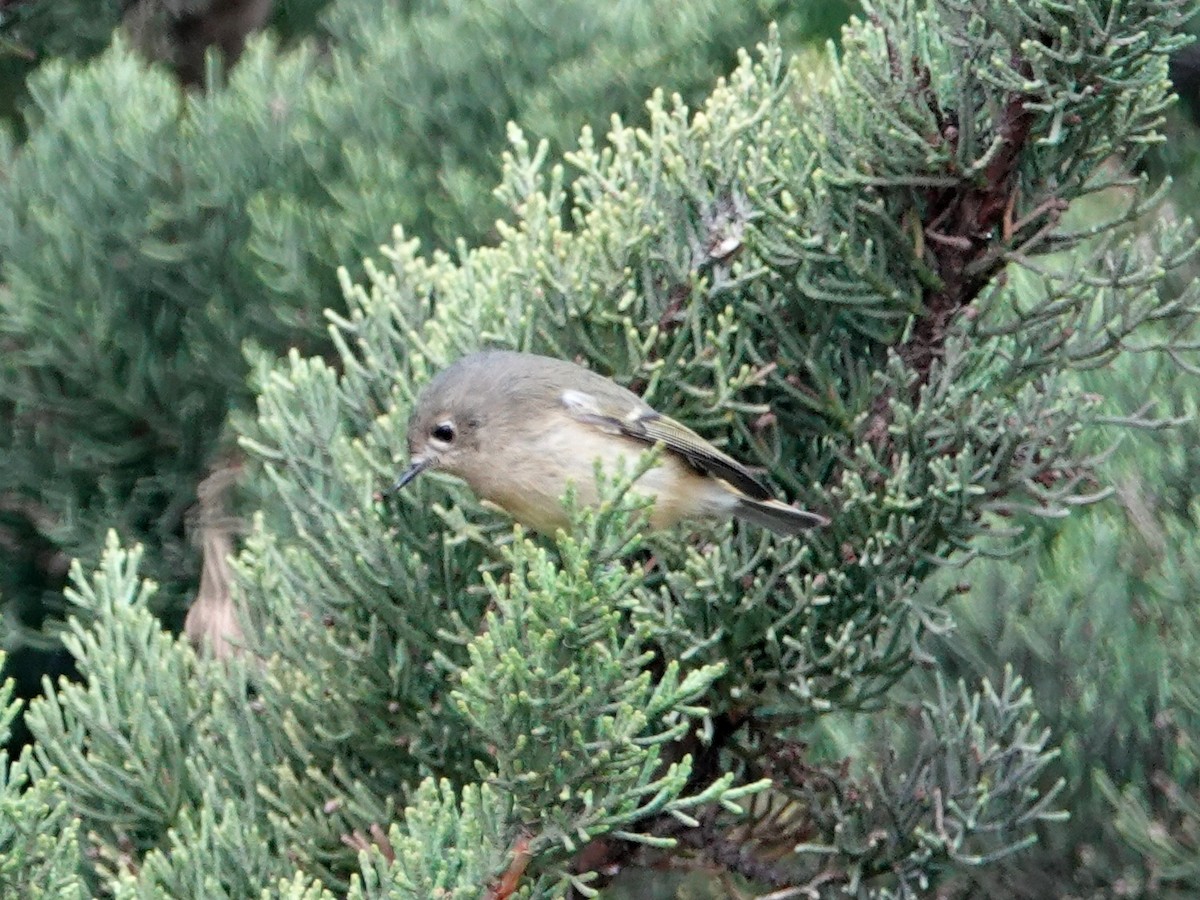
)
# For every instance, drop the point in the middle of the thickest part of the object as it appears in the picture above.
(517, 428)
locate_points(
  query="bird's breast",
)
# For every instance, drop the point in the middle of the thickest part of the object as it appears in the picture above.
(530, 474)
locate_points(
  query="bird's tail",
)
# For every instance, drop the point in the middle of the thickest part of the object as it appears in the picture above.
(779, 517)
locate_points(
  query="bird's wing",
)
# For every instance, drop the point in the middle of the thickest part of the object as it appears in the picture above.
(649, 427)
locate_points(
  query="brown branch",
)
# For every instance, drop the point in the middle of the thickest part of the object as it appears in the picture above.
(182, 39)
(212, 620)
(511, 879)
(961, 226)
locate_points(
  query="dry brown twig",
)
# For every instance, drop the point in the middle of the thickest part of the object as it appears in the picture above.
(212, 620)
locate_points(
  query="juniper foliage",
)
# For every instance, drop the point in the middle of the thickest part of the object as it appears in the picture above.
(147, 234)
(1098, 614)
(818, 272)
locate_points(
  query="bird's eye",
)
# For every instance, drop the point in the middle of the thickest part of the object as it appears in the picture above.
(443, 432)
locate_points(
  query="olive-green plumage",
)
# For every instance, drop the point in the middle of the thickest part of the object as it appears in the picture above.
(518, 428)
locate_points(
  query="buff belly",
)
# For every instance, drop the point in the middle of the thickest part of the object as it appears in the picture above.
(534, 497)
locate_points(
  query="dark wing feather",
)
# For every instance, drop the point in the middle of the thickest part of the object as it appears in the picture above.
(702, 455)
(650, 427)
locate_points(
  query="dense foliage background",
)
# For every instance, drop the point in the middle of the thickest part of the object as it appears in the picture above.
(217, 220)
(162, 247)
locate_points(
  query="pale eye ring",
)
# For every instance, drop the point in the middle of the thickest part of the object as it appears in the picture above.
(443, 432)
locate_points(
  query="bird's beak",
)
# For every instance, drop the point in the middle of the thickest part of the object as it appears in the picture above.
(418, 465)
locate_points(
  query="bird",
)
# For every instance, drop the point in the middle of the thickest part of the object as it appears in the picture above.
(519, 428)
